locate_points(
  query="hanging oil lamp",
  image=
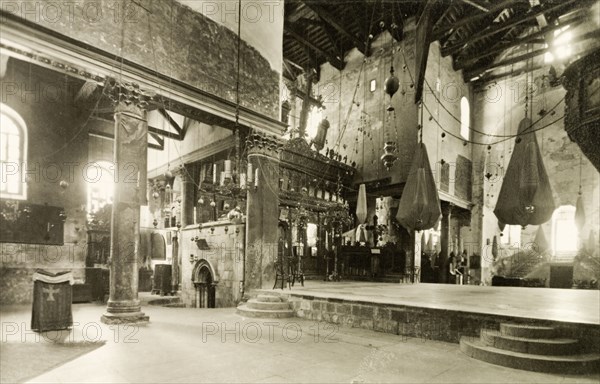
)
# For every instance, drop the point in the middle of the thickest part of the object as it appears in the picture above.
(390, 147)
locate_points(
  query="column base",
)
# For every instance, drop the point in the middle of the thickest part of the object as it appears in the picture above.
(125, 318)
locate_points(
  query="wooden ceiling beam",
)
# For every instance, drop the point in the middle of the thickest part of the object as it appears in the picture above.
(292, 31)
(441, 31)
(512, 22)
(479, 70)
(172, 122)
(335, 23)
(595, 34)
(329, 32)
(467, 61)
(476, 5)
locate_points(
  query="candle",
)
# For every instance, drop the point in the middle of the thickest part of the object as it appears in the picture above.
(194, 215)
(250, 174)
(227, 168)
(214, 173)
(256, 177)
(222, 178)
(243, 180)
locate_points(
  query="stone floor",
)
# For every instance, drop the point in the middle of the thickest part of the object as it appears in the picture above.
(184, 345)
(570, 305)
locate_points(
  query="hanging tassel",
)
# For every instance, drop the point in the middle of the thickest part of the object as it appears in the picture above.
(361, 205)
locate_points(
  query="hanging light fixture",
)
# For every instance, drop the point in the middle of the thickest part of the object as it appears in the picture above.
(361, 205)
(525, 196)
(419, 207)
(391, 86)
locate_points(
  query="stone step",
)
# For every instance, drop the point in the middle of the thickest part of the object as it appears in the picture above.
(493, 338)
(244, 310)
(268, 298)
(166, 301)
(527, 331)
(269, 305)
(573, 364)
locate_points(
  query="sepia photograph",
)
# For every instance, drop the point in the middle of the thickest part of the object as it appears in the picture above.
(300, 191)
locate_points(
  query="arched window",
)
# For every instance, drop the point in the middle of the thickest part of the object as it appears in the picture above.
(13, 154)
(564, 232)
(465, 118)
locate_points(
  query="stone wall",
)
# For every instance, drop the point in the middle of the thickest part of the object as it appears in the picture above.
(164, 37)
(421, 323)
(226, 258)
(57, 151)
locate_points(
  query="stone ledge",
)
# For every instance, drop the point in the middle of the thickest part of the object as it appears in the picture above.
(125, 318)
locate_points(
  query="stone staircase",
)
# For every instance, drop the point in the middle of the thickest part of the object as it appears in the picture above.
(266, 305)
(531, 348)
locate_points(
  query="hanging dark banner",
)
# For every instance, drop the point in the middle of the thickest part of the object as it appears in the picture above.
(419, 206)
(525, 196)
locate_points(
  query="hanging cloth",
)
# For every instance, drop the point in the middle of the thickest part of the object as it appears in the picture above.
(579, 214)
(540, 241)
(419, 206)
(525, 196)
(361, 205)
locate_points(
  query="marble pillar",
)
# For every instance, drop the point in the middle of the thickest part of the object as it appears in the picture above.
(130, 157)
(262, 212)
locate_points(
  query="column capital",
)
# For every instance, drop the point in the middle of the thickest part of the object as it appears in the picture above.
(129, 97)
(261, 144)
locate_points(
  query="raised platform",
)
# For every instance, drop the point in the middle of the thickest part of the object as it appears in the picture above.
(446, 312)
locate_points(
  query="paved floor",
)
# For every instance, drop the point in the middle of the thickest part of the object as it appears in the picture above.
(184, 345)
(570, 305)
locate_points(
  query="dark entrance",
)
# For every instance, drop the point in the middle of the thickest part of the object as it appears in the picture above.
(205, 287)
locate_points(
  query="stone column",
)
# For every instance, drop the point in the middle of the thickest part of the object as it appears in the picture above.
(262, 211)
(188, 192)
(445, 242)
(130, 157)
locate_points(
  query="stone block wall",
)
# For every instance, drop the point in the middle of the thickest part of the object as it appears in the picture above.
(164, 37)
(226, 257)
(420, 323)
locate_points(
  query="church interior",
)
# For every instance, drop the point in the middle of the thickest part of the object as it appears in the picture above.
(375, 172)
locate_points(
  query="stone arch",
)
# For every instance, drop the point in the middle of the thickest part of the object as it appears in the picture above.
(205, 280)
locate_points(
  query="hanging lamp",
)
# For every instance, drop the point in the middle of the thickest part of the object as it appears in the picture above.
(419, 206)
(361, 205)
(391, 86)
(525, 197)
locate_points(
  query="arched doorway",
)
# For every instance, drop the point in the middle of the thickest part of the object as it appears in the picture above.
(204, 284)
